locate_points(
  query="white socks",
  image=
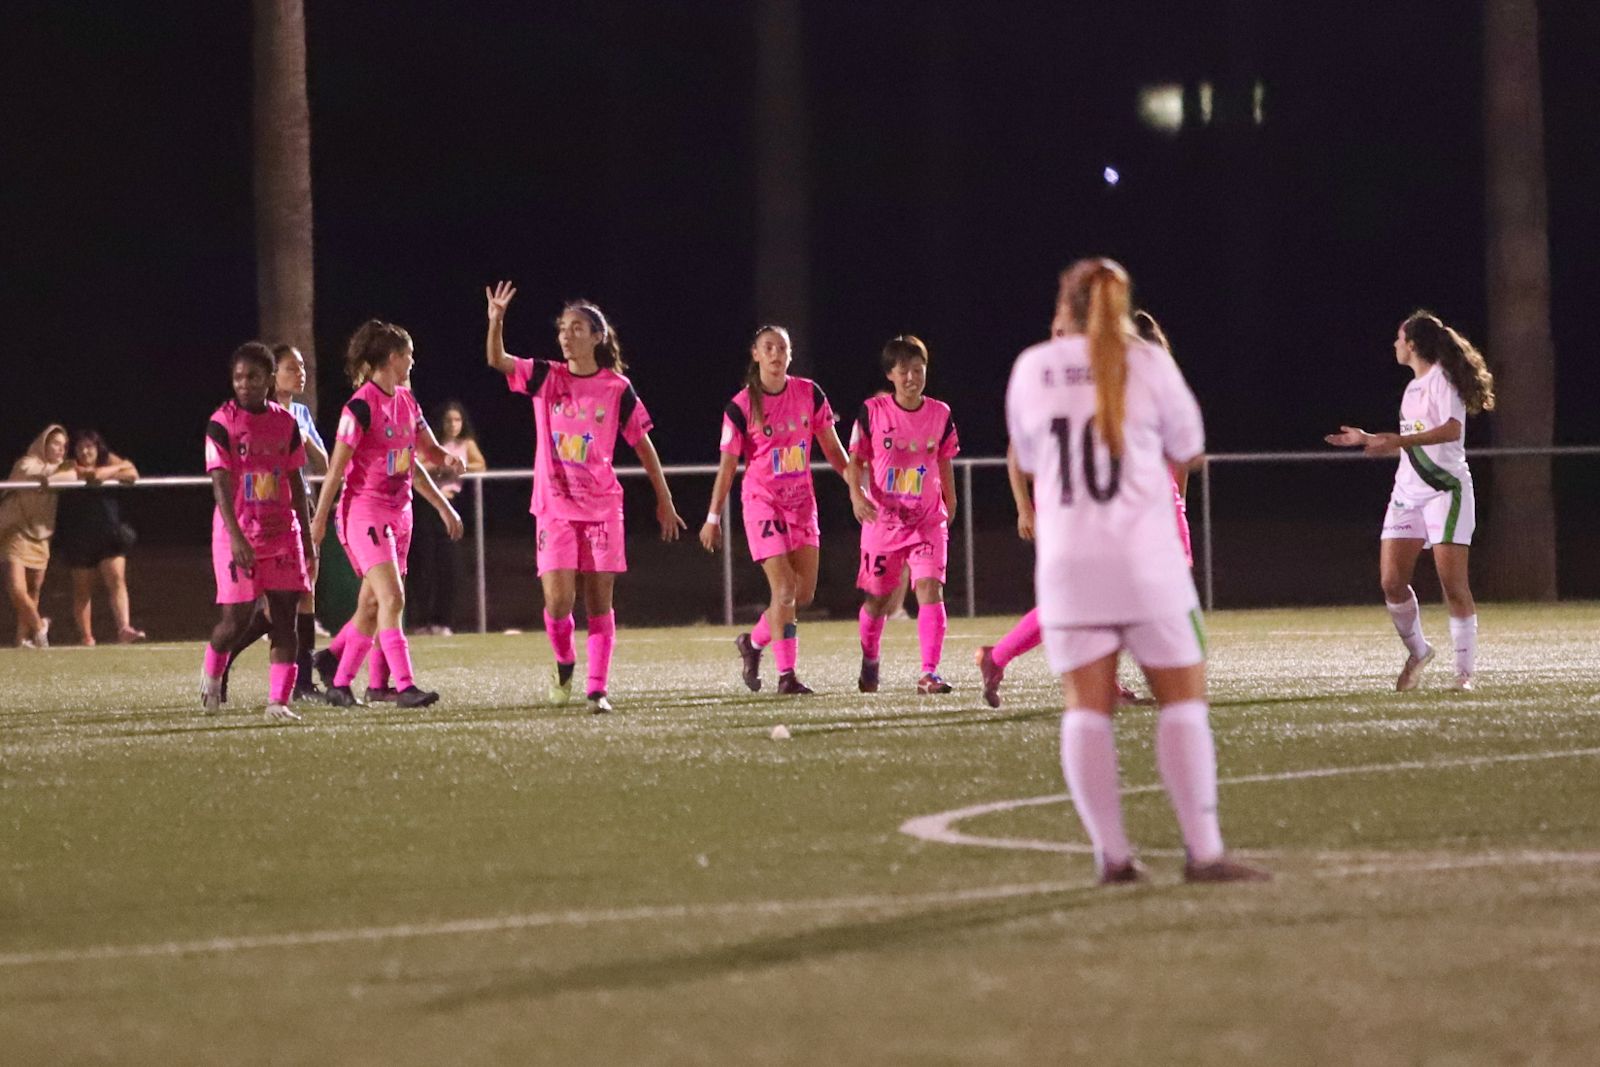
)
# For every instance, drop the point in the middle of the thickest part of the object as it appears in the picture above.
(1089, 761)
(1187, 761)
(1464, 636)
(1407, 619)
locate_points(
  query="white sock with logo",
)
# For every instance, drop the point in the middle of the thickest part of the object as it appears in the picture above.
(1464, 636)
(1407, 618)
(1089, 762)
(1187, 761)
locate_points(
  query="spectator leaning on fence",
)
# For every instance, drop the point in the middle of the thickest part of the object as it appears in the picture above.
(27, 521)
(435, 558)
(93, 539)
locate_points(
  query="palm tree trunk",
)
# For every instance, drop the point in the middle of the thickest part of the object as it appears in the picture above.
(1522, 536)
(783, 195)
(283, 182)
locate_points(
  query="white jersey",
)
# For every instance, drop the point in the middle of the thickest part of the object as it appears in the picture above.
(1426, 471)
(1107, 549)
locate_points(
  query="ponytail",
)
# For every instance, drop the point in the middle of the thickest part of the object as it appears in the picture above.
(370, 348)
(1463, 364)
(1107, 327)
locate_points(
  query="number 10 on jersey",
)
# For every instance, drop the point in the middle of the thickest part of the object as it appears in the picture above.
(1061, 429)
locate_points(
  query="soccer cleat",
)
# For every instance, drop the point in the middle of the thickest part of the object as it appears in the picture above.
(1128, 873)
(930, 684)
(752, 662)
(210, 695)
(993, 674)
(790, 686)
(380, 694)
(280, 713)
(128, 635)
(309, 691)
(413, 697)
(326, 664)
(339, 696)
(560, 690)
(868, 681)
(41, 639)
(1411, 673)
(1464, 683)
(1129, 697)
(600, 704)
(1224, 870)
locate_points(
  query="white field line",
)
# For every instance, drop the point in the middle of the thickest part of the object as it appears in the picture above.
(940, 827)
(646, 913)
(531, 921)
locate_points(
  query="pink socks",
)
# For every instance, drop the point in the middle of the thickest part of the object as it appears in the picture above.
(602, 639)
(786, 650)
(761, 636)
(932, 621)
(280, 682)
(354, 647)
(560, 632)
(1024, 637)
(871, 633)
(398, 655)
(216, 663)
(336, 646)
(377, 666)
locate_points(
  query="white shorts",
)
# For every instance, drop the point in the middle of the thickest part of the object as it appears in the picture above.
(1176, 641)
(1446, 518)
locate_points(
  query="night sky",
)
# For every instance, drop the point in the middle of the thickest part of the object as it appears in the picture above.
(606, 151)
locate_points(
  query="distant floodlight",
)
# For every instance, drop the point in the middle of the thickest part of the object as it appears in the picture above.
(1111, 176)
(1161, 107)
(1207, 97)
(1258, 103)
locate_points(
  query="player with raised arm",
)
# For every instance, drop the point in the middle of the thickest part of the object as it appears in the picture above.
(1432, 505)
(581, 405)
(904, 442)
(1097, 416)
(381, 431)
(261, 537)
(770, 424)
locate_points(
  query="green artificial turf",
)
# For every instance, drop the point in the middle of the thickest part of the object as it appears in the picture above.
(494, 880)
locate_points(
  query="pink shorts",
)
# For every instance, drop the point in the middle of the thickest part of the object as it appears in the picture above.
(371, 536)
(586, 547)
(284, 572)
(774, 532)
(879, 573)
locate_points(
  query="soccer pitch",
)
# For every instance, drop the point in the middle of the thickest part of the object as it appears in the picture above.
(493, 880)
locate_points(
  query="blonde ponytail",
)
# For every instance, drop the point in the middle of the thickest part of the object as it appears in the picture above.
(1107, 330)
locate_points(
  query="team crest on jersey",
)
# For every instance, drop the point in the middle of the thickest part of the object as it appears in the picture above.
(260, 487)
(572, 447)
(766, 431)
(599, 414)
(388, 431)
(397, 462)
(792, 426)
(904, 481)
(805, 420)
(916, 446)
(790, 460)
(930, 444)
(888, 443)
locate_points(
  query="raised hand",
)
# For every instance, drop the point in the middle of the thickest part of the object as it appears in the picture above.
(499, 297)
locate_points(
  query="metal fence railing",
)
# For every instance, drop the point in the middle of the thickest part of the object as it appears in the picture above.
(998, 511)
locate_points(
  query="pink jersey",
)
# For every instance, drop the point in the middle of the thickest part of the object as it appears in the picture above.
(902, 450)
(381, 431)
(262, 451)
(777, 452)
(577, 419)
